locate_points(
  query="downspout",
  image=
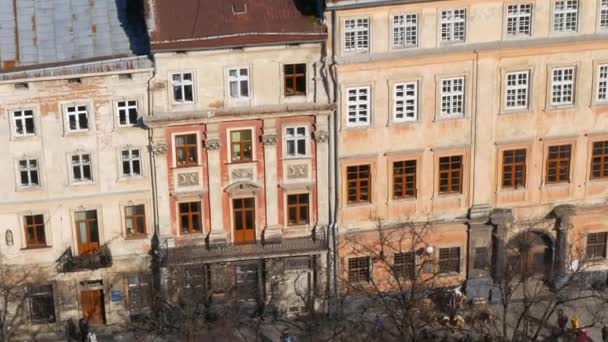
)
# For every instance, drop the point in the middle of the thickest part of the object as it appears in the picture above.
(474, 129)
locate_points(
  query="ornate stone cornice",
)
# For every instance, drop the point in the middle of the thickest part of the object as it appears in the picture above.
(321, 136)
(212, 144)
(269, 139)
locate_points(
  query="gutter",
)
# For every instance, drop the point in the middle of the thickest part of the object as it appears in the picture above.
(237, 46)
(352, 4)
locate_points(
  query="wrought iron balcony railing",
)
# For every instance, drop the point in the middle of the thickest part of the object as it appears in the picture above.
(68, 262)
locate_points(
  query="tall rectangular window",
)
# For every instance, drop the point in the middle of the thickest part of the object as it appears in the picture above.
(565, 16)
(453, 25)
(405, 99)
(562, 86)
(359, 183)
(131, 162)
(450, 175)
(42, 304)
(558, 164)
(519, 20)
(604, 15)
(24, 123)
(297, 209)
(78, 118)
(127, 113)
(359, 269)
(295, 141)
(599, 160)
(356, 34)
(28, 172)
(135, 220)
(81, 168)
(602, 83)
(404, 179)
(35, 235)
(514, 168)
(517, 88)
(404, 265)
(183, 87)
(186, 150)
(452, 97)
(238, 83)
(449, 260)
(190, 217)
(405, 30)
(358, 106)
(241, 145)
(295, 79)
(596, 245)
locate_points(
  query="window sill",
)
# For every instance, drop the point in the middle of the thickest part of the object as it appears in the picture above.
(522, 111)
(403, 48)
(186, 166)
(24, 137)
(450, 118)
(295, 96)
(136, 237)
(240, 162)
(556, 185)
(448, 195)
(448, 274)
(357, 127)
(403, 200)
(511, 190)
(127, 179)
(29, 188)
(517, 37)
(306, 157)
(77, 133)
(598, 180)
(397, 123)
(599, 104)
(183, 103)
(33, 248)
(359, 205)
(571, 107)
(82, 183)
(297, 226)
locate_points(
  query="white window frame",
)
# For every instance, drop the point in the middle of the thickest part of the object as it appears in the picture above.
(449, 22)
(131, 159)
(562, 85)
(182, 84)
(295, 138)
(238, 79)
(81, 164)
(360, 114)
(405, 101)
(603, 15)
(513, 91)
(127, 105)
(452, 95)
(562, 15)
(29, 169)
(405, 30)
(253, 143)
(602, 83)
(360, 31)
(76, 112)
(25, 114)
(519, 16)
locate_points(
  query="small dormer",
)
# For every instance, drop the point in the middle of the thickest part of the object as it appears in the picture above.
(239, 7)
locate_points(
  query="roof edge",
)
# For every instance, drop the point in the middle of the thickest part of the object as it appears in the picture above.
(351, 4)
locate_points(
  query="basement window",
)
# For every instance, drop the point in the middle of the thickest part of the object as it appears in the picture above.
(125, 76)
(22, 86)
(75, 80)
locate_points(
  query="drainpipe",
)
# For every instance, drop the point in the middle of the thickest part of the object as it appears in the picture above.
(474, 129)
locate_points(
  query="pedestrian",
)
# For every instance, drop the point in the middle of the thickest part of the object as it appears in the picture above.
(285, 336)
(576, 324)
(581, 336)
(83, 325)
(562, 320)
(605, 333)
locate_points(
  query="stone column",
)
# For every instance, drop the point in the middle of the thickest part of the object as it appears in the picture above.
(159, 147)
(478, 279)
(321, 136)
(272, 231)
(564, 214)
(217, 234)
(502, 220)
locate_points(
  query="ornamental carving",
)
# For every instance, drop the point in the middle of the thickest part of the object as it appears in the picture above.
(269, 139)
(159, 149)
(297, 171)
(242, 174)
(212, 144)
(187, 179)
(321, 136)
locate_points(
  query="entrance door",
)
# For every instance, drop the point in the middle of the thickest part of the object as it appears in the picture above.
(93, 310)
(87, 231)
(244, 220)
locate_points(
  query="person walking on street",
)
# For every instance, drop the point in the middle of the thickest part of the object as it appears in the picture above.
(605, 333)
(83, 325)
(562, 320)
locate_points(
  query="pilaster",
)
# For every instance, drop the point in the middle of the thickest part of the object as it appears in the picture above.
(272, 231)
(217, 234)
(321, 137)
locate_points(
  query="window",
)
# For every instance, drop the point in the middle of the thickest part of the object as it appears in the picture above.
(602, 83)
(190, 217)
(295, 79)
(78, 118)
(604, 15)
(81, 168)
(558, 164)
(453, 25)
(450, 175)
(42, 305)
(404, 265)
(481, 260)
(452, 97)
(87, 231)
(238, 82)
(449, 260)
(295, 141)
(241, 145)
(517, 86)
(139, 292)
(131, 162)
(519, 20)
(565, 16)
(127, 113)
(244, 219)
(405, 30)
(34, 231)
(359, 183)
(596, 245)
(24, 123)
(404, 179)
(562, 86)
(135, 220)
(182, 87)
(28, 172)
(186, 150)
(599, 160)
(356, 34)
(406, 101)
(297, 209)
(358, 106)
(359, 269)
(514, 168)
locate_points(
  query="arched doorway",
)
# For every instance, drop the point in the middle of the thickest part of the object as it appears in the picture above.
(530, 254)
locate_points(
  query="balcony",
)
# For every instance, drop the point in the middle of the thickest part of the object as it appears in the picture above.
(101, 258)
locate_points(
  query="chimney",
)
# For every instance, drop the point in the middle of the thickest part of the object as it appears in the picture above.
(239, 7)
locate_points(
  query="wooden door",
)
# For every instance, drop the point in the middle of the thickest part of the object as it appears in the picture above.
(87, 231)
(92, 305)
(244, 220)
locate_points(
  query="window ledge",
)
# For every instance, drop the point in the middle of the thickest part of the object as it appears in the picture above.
(448, 195)
(82, 183)
(136, 237)
(244, 162)
(522, 111)
(452, 118)
(33, 248)
(511, 190)
(397, 123)
(296, 158)
(126, 179)
(404, 200)
(599, 105)
(29, 188)
(24, 137)
(76, 133)
(448, 274)
(179, 167)
(556, 185)
(560, 108)
(359, 205)
(357, 127)
(298, 227)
